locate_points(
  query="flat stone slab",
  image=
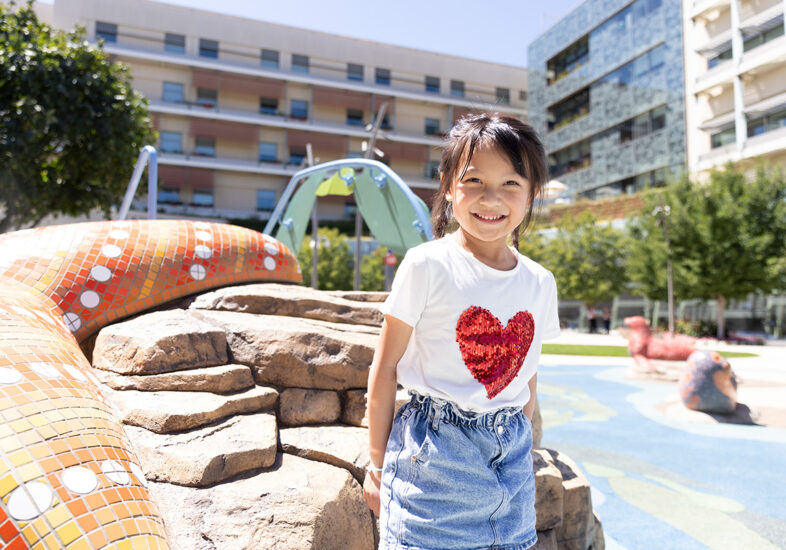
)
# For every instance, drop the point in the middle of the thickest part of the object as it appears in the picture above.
(360, 295)
(221, 379)
(298, 353)
(210, 454)
(172, 411)
(298, 407)
(355, 406)
(297, 504)
(342, 446)
(162, 341)
(291, 301)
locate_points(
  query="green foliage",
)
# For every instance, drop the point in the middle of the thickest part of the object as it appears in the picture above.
(586, 259)
(334, 263)
(372, 270)
(71, 125)
(533, 246)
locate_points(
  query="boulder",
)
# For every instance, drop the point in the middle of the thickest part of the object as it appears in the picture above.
(342, 446)
(547, 540)
(354, 406)
(297, 504)
(292, 301)
(537, 425)
(359, 295)
(210, 454)
(548, 491)
(166, 412)
(577, 529)
(299, 406)
(162, 341)
(298, 353)
(221, 379)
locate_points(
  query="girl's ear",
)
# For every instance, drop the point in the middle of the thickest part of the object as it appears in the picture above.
(448, 197)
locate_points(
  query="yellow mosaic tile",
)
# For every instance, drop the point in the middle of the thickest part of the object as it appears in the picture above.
(57, 516)
(7, 484)
(69, 532)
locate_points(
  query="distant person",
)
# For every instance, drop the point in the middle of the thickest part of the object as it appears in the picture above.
(462, 332)
(606, 316)
(592, 316)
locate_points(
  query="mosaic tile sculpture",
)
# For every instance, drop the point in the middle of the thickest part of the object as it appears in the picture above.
(68, 476)
(643, 346)
(709, 384)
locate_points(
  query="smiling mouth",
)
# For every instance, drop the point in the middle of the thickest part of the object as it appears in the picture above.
(491, 219)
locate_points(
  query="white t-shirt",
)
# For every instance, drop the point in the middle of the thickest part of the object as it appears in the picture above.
(477, 330)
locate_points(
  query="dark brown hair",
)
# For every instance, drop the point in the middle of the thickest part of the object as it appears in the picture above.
(516, 139)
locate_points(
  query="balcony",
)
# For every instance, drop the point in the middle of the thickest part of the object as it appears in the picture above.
(718, 157)
(717, 122)
(282, 121)
(228, 164)
(160, 56)
(765, 56)
(765, 144)
(720, 74)
(701, 6)
(757, 22)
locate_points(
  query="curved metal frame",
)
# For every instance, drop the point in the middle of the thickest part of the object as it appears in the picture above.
(147, 155)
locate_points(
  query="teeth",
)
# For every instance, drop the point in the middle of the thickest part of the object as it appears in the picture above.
(490, 218)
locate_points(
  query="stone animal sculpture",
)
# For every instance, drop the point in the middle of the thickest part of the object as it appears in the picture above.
(643, 346)
(68, 477)
(709, 384)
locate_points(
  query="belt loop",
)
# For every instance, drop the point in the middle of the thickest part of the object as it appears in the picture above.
(437, 416)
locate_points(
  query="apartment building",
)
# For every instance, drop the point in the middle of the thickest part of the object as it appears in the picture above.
(735, 80)
(236, 101)
(606, 91)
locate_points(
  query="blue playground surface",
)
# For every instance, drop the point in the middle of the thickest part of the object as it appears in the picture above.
(658, 482)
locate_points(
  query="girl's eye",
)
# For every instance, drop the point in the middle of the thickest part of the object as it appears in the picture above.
(511, 182)
(472, 180)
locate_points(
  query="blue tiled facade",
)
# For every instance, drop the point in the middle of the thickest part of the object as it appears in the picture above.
(633, 65)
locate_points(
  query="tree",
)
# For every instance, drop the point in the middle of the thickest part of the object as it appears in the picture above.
(534, 246)
(71, 125)
(728, 238)
(334, 263)
(586, 259)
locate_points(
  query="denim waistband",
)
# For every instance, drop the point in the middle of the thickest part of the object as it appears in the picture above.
(441, 409)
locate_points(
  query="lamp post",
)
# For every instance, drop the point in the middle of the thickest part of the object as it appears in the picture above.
(664, 212)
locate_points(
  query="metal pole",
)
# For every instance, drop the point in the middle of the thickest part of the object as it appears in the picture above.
(358, 219)
(314, 232)
(664, 211)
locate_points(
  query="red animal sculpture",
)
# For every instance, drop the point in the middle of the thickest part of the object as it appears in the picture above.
(643, 346)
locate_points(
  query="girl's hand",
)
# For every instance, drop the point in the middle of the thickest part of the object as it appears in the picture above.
(371, 491)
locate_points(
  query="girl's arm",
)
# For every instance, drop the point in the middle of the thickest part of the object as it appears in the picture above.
(529, 408)
(393, 341)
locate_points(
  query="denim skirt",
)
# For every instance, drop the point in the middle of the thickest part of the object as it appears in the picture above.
(457, 480)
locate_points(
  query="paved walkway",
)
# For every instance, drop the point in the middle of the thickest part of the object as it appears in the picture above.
(664, 477)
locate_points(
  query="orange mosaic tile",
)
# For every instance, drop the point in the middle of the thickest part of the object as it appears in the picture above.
(67, 476)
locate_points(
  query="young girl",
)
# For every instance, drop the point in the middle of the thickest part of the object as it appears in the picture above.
(462, 332)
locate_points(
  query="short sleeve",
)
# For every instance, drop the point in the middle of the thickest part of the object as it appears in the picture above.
(407, 297)
(551, 319)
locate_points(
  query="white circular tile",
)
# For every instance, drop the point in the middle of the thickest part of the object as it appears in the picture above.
(121, 223)
(75, 372)
(202, 225)
(9, 375)
(72, 321)
(101, 273)
(271, 249)
(198, 272)
(270, 263)
(89, 299)
(202, 251)
(298, 268)
(115, 472)
(139, 474)
(30, 500)
(204, 236)
(118, 234)
(111, 250)
(79, 479)
(46, 370)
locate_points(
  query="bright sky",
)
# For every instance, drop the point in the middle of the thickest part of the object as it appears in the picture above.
(490, 30)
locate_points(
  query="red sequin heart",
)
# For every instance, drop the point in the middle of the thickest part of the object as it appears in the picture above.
(493, 353)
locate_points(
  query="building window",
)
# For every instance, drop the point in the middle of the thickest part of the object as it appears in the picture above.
(266, 200)
(270, 59)
(354, 117)
(522, 95)
(642, 125)
(268, 152)
(457, 88)
(106, 31)
(174, 43)
(765, 36)
(354, 72)
(432, 169)
(570, 159)
(350, 209)
(173, 92)
(432, 84)
(297, 155)
(386, 125)
(298, 109)
(205, 147)
(207, 98)
(299, 63)
(268, 105)
(724, 137)
(637, 69)
(569, 109)
(432, 127)
(171, 142)
(202, 197)
(168, 195)
(503, 96)
(568, 60)
(716, 60)
(767, 123)
(208, 48)
(382, 76)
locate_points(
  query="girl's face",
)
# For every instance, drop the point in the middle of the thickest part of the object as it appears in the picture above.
(491, 199)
